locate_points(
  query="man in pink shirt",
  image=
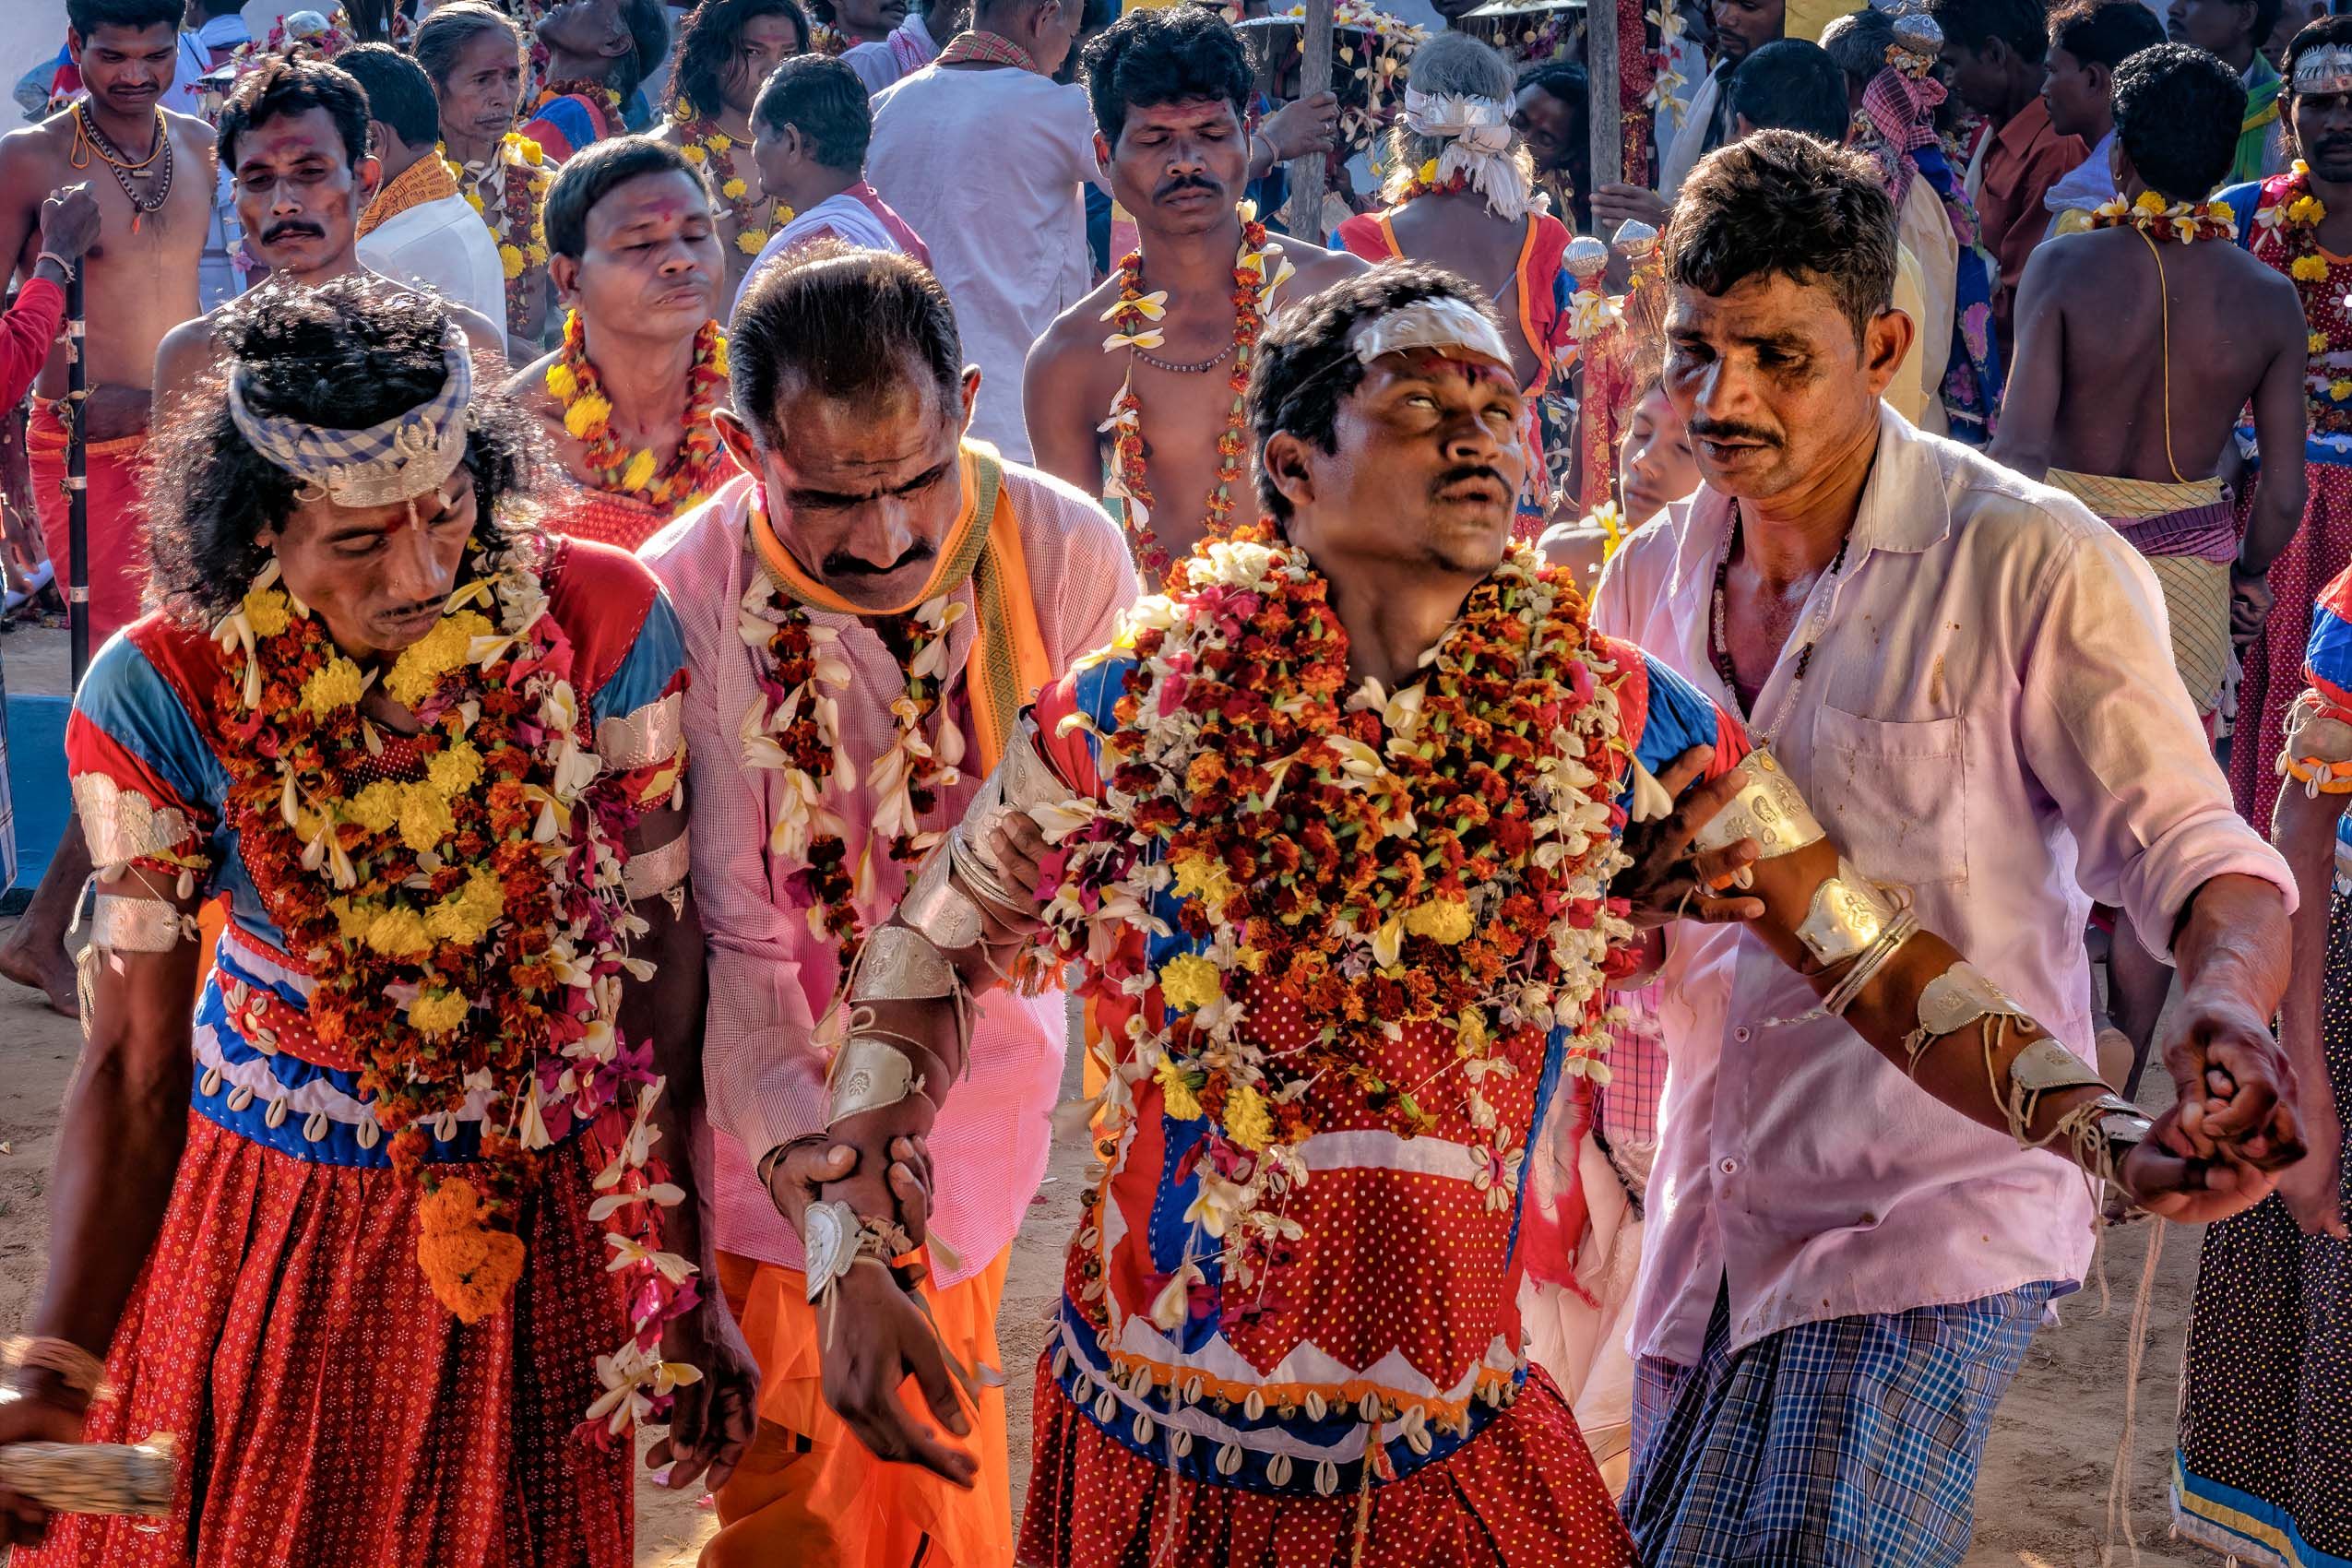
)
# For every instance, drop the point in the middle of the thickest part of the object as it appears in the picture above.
(1967, 674)
(865, 612)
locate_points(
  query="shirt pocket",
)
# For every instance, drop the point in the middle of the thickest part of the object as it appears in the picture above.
(1899, 790)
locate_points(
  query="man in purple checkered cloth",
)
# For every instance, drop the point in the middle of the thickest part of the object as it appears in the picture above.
(1968, 677)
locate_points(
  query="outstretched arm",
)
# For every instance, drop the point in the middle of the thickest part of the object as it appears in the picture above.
(1915, 999)
(119, 1138)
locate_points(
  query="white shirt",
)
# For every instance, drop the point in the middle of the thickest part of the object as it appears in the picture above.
(988, 166)
(879, 64)
(839, 215)
(443, 245)
(2087, 187)
(1924, 230)
(1992, 717)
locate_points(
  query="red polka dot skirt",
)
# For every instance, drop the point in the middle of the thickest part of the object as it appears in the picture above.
(1522, 1493)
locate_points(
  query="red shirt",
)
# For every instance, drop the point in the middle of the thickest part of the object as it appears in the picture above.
(2025, 159)
(26, 332)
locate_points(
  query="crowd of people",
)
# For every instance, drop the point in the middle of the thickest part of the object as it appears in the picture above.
(1617, 780)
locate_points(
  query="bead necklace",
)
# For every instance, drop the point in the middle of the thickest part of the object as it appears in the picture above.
(88, 138)
(1719, 638)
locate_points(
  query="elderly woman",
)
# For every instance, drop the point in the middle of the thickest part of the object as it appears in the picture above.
(345, 1226)
(1461, 194)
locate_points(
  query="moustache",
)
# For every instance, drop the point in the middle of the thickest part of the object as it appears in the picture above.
(1182, 183)
(1721, 429)
(282, 231)
(841, 564)
(1452, 476)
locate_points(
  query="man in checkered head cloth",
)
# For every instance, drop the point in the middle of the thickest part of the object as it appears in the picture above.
(414, 1164)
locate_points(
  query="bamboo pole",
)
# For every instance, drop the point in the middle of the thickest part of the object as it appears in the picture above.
(1306, 173)
(1603, 70)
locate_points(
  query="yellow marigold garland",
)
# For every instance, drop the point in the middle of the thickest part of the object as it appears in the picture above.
(700, 464)
(705, 144)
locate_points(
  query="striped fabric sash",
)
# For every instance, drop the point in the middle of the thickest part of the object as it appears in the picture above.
(2159, 518)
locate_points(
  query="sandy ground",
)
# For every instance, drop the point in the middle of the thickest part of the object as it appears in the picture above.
(2041, 1502)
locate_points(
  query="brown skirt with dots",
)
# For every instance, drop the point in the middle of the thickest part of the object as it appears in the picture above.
(2265, 1468)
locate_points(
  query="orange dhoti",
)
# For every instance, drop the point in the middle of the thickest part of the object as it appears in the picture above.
(809, 1493)
(118, 561)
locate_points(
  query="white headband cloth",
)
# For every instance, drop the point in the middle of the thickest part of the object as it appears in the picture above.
(1439, 323)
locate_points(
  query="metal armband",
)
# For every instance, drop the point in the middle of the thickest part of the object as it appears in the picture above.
(1849, 913)
(122, 923)
(1954, 1000)
(834, 1240)
(944, 903)
(2045, 1067)
(2101, 1134)
(1769, 809)
(869, 1074)
(658, 871)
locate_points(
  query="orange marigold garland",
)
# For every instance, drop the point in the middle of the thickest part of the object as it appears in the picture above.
(1439, 855)
(456, 898)
(794, 728)
(699, 466)
(1133, 316)
(2293, 219)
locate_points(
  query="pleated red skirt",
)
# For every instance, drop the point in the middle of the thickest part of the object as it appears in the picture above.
(1524, 1493)
(330, 1412)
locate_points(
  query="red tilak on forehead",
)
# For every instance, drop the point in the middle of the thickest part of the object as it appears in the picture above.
(1429, 362)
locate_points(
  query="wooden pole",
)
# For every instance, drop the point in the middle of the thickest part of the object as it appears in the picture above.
(76, 479)
(1306, 173)
(1606, 115)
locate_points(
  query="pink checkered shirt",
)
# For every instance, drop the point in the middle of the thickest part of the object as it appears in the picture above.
(769, 978)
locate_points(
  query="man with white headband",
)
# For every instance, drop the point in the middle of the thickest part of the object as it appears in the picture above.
(1966, 674)
(1134, 394)
(398, 1226)
(1461, 194)
(1336, 833)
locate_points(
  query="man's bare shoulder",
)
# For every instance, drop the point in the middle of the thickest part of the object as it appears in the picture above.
(189, 132)
(1315, 268)
(1078, 328)
(34, 156)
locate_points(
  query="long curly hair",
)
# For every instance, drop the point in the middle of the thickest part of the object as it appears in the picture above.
(707, 41)
(348, 354)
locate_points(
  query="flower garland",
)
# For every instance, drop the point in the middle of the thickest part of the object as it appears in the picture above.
(1426, 182)
(1664, 96)
(827, 39)
(700, 465)
(1133, 314)
(704, 143)
(521, 227)
(1437, 856)
(2186, 221)
(2292, 221)
(793, 727)
(603, 94)
(456, 898)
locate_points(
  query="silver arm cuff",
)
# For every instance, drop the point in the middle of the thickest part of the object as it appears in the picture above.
(1848, 914)
(122, 923)
(1769, 809)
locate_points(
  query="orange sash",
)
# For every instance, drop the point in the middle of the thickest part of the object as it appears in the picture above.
(1008, 663)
